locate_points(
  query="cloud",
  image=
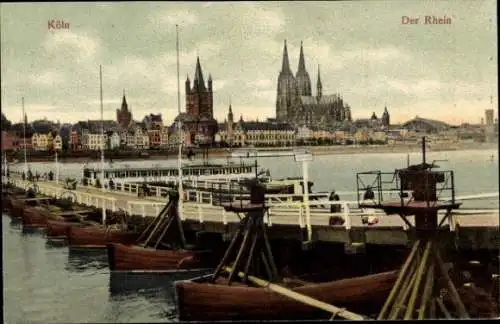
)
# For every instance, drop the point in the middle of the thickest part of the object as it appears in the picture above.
(419, 88)
(47, 78)
(469, 110)
(171, 18)
(206, 51)
(262, 83)
(104, 101)
(219, 85)
(262, 20)
(60, 41)
(377, 55)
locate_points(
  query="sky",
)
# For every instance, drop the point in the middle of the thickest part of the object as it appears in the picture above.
(446, 72)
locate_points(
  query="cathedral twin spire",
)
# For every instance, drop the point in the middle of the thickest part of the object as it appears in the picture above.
(302, 77)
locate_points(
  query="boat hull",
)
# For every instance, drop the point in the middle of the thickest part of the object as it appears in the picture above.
(58, 228)
(36, 217)
(17, 207)
(204, 301)
(98, 237)
(134, 257)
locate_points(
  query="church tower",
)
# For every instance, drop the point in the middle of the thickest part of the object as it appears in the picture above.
(287, 90)
(386, 118)
(302, 77)
(319, 86)
(230, 125)
(124, 115)
(199, 99)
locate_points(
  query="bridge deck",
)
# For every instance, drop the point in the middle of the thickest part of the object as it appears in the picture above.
(479, 226)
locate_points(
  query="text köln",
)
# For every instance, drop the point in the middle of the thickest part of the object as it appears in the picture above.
(427, 20)
(53, 24)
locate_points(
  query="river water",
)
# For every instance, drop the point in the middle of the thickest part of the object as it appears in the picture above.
(476, 171)
(51, 284)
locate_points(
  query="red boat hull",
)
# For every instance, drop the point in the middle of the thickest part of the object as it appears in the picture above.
(17, 207)
(58, 228)
(98, 237)
(36, 217)
(134, 257)
(204, 301)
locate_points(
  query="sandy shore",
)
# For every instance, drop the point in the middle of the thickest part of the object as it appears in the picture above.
(316, 150)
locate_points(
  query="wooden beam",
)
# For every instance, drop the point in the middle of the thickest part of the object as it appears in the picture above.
(400, 302)
(426, 296)
(397, 285)
(420, 274)
(248, 230)
(455, 297)
(302, 298)
(228, 252)
(37, 199)
(74, 212)
(443, 308)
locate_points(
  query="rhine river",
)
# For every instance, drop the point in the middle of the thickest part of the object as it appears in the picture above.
(50, 284)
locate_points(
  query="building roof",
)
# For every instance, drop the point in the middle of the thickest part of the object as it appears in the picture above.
(324, 100)
(185, 117)
(430, 123)
(256, 126)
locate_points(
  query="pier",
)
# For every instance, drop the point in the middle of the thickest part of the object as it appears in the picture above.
(287, 218)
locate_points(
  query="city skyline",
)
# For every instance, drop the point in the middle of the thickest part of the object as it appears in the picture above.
(365, 52)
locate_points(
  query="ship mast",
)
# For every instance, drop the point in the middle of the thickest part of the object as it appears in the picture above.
(24, 138)
(102, 141)
(179, 125)
(102, 130)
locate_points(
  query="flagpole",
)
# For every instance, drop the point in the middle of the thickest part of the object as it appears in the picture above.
(102, 129)
(24, 139)
(103, 207)
(179, 125)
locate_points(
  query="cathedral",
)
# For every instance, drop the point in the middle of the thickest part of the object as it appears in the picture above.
(296, 104)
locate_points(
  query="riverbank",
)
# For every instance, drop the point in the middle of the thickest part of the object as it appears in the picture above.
(315, 150)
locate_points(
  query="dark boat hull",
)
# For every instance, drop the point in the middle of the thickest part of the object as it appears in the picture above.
(59, 228)
(17, 207)
(98, 237)
(204, 301)
(36, 217)
(133, 257)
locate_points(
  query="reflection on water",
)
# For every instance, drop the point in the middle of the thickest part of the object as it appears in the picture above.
(122, 283)
(156, 288)
(81, 260)
(44, 283)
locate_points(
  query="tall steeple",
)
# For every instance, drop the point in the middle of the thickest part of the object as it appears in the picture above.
(319, 86)
(285, 66)
(302, 63)
(124, 102)
(303, 79)
(199, 82)
(230, 116)
(188, 85)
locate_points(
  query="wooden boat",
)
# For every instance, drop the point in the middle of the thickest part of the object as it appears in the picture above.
(134, 257)
(213, 302)
(17, 208)
(36, 216)
(98, 236)
(6, 202)
(59, 228)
